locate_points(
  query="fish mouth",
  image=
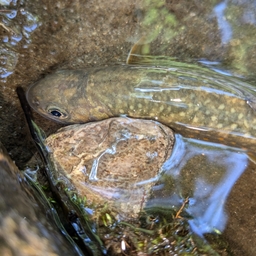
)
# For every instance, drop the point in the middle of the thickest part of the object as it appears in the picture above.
(41, 107)
(33, 101)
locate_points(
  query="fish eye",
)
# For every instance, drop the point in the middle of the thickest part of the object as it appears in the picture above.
(57, 112)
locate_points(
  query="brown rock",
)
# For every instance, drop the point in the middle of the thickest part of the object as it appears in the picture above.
(24, 228)
(115, 160)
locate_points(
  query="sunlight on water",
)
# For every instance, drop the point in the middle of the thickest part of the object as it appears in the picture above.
(205, 173)
(18, 24)
(224, 26)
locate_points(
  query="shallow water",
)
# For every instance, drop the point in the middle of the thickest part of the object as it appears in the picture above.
(207, 175)
(210, 176)
(38, 37)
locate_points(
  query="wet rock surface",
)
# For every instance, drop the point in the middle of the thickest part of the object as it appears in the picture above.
(24, 227)
(115, 161)
(113, 171)
(39, 37)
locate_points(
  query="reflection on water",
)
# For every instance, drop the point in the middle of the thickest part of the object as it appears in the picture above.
(5, 2)
(224, 26)
(204, 172)
(16, 26)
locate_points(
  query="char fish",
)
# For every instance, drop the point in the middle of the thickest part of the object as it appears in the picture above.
(192, 100)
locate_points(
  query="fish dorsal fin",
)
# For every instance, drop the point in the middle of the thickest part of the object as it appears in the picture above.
(140, 52)
(252, 157)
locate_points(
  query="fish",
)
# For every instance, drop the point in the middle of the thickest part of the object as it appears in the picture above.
(194, 101)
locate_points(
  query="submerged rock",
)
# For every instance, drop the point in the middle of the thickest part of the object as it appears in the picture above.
(24, 229)
(111, 170)
(115, 161)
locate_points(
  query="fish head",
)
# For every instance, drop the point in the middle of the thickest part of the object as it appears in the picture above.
(57, 95)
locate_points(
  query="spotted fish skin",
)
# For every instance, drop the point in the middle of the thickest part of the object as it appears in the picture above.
(195, 102)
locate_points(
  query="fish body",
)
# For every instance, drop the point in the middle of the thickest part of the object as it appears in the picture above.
(193, 101)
